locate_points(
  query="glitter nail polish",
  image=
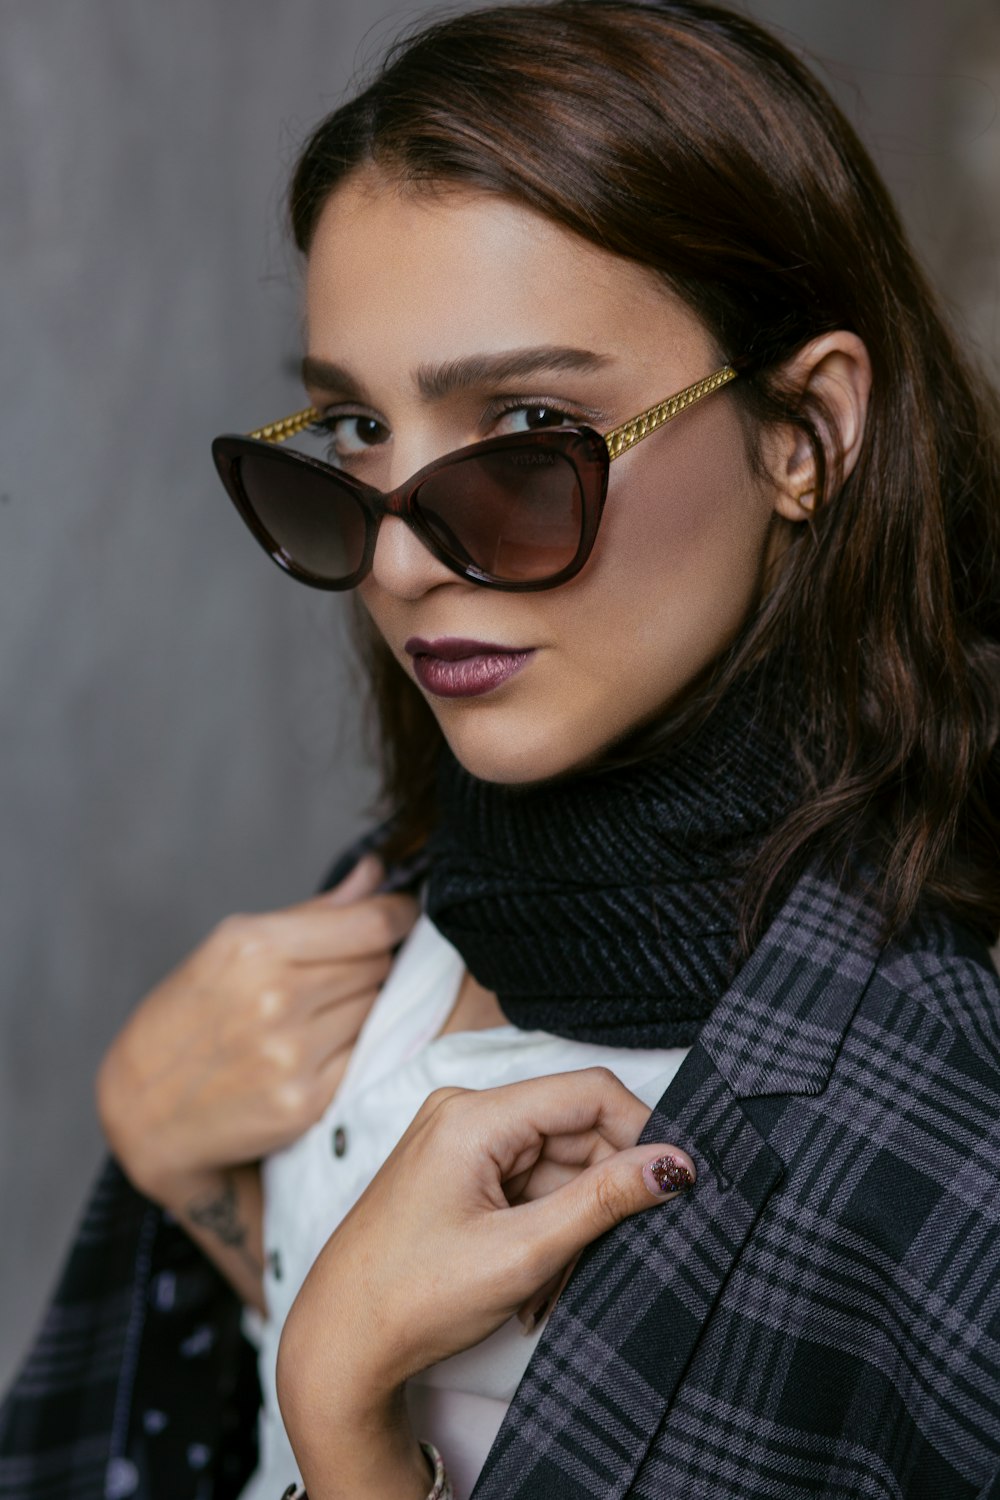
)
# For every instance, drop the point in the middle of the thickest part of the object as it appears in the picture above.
(667, 1174)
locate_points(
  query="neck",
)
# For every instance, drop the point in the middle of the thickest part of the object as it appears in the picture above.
(603, 906)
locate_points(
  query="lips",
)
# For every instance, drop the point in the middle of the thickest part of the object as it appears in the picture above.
(454, 667)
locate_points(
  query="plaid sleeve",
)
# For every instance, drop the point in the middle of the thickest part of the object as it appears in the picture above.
(139, 1382)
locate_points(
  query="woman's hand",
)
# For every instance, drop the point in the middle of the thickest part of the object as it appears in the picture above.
(239, 1050)
(485, 1200)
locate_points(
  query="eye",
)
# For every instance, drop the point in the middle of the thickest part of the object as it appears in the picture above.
(352, 435)
(533, 418)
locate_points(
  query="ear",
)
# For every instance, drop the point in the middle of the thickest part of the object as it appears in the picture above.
(836, 371)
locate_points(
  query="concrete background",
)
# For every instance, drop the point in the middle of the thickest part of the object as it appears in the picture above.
(180, 726)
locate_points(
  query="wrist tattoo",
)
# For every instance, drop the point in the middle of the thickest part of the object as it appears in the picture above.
(218, 1213)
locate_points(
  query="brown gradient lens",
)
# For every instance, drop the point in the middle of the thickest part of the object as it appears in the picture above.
(510, 513)
(317, 523)
(514, 514)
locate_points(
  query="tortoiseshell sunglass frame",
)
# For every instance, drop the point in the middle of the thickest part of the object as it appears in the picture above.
(587, 451)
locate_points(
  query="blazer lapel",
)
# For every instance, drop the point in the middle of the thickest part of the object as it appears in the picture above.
(620, 1337)
(779, 1026)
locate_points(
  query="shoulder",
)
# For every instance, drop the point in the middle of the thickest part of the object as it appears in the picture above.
(947, 975)
(882, 1235)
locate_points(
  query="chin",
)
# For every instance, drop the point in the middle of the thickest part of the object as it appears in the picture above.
(516, 755)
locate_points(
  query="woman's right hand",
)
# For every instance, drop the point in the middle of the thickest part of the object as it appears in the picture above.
(241, 1048)
(488, 1196)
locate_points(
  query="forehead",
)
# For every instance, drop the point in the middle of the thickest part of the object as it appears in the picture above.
(435, 271)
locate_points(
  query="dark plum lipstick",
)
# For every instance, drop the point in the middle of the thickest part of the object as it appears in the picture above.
(456, 668)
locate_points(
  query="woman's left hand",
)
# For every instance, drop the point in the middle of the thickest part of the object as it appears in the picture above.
(489, 1195)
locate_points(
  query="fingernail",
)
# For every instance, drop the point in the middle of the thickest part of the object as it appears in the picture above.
(667, 1174)
(364, 873)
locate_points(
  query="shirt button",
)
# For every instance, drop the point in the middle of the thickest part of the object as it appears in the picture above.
(274, 1264)
(340, 1141)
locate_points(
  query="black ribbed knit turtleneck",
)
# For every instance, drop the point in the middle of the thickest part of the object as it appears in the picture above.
(602, 906)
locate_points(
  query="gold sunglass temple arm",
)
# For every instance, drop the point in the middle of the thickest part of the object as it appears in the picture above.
(277, 432)
(621, 439)
(618, 440)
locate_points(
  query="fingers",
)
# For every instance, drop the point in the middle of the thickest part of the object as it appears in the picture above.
(335, 1031)
(320, 930)
(581, 1104)
(321, 1047)
(317, 930)
(300, 1071)
(545, 1176)
(286, 998)
(363, 880)
(561, 1224)
(323, 986)
(561, 1159)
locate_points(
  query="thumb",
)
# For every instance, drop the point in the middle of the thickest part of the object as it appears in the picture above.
(362, 880)
(623, 1183)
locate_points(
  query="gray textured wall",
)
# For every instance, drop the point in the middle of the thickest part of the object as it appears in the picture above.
(180, 736)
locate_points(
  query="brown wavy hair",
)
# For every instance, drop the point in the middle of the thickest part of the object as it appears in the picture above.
(685, 137)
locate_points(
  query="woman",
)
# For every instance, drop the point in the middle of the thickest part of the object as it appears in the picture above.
(689, 697)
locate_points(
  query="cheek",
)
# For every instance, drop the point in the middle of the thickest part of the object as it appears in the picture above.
(376, 616)
(685, 524)
(676, 570)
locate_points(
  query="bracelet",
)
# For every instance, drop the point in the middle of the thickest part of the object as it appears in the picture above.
(440, 1489)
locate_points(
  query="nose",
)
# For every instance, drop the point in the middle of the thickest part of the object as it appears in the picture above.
(403, 566)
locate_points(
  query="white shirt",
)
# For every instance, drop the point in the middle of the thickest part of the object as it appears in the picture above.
(398, 1059)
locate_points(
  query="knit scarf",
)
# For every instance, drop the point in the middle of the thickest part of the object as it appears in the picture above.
(602, 906)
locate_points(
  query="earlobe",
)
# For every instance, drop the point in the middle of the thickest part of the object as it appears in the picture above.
(798, 507)
(795, 477)
(833, 374)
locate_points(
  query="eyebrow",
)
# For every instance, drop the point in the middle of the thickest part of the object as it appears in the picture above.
(438, 381)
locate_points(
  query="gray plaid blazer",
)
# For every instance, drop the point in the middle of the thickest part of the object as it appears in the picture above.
(820, 1316)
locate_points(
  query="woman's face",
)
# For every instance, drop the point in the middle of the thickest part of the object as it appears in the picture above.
(415, 303)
